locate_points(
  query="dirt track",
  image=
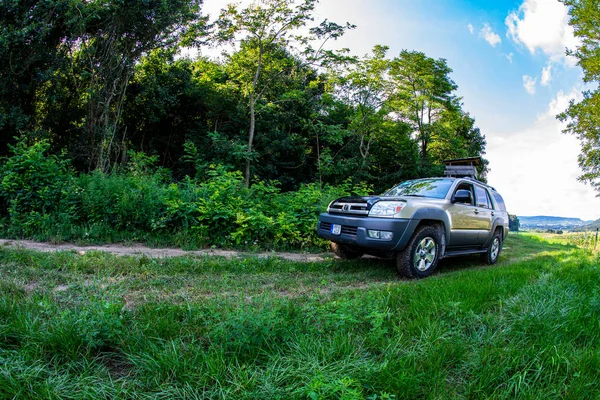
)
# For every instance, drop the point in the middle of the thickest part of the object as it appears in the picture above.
(137, 250)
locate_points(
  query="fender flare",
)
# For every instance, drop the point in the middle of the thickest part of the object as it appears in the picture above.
(428, 214)
(498, 222)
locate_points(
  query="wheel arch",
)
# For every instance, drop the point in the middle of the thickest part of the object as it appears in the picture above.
(498, 225)
(430, 217)
(437, 218)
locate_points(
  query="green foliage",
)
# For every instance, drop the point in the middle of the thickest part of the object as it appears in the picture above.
(65, 66)
(123, 202)
(583, 117)
(106, 80)
(514, 224)
(42, 199)
(35, 186)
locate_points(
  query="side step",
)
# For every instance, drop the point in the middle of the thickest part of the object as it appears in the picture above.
(463, 253)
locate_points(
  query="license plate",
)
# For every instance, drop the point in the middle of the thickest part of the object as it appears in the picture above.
(336, 229)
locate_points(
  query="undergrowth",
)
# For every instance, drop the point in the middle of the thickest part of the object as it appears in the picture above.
(42, 198)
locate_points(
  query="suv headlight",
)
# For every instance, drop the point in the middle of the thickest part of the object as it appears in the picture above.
(387, 209)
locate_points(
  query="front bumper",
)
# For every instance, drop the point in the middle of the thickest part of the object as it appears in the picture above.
(354, 231)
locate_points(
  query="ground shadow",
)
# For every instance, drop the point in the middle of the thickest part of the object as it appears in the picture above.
(516, 247)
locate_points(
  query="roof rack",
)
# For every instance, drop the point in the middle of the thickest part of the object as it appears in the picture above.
(463, 167)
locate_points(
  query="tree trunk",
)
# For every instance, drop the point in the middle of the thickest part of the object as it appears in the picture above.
(250, 139)
(253, 98)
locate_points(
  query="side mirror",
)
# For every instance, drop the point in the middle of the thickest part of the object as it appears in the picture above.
(463, 196)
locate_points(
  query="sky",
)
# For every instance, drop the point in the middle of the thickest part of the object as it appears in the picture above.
(508, 60)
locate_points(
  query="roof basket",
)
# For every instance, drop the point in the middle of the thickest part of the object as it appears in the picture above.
(463, 167)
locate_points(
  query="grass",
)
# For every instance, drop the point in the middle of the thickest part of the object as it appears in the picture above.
(101, 326)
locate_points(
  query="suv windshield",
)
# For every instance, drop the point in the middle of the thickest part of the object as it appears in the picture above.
(436, 188)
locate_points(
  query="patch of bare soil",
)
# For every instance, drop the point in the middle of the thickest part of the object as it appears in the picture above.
(139, 250)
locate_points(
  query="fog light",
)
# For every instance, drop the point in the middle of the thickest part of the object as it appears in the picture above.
(374, 234)
(386, 235)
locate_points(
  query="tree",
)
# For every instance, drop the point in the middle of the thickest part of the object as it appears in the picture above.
(111, 38)
(456, 136)
(513, 224)
(583, 117)
(267, 26)
(59, 56)
(31, 54)
(364, 87)
(423, 92)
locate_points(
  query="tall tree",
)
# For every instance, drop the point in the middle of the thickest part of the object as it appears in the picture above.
(111, 38)
(365, 88)
(81, 54)
(583, 117)
(267, 26)
(31, 53)
(423, 91)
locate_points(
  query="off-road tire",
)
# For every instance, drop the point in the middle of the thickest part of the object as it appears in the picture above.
(493, 251)
(420, 257)
(346, 252)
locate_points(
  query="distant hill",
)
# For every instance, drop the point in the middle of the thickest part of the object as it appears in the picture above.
(549, 222)
(589, 227)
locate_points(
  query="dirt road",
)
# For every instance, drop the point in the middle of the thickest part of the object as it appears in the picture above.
(138, 250)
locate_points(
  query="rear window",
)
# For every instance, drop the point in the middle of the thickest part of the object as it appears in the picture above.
(483, 199)
(499, 201)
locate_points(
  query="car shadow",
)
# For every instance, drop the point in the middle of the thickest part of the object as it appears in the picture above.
(516, 248)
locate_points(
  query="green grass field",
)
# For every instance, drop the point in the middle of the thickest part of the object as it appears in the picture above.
(99, 326)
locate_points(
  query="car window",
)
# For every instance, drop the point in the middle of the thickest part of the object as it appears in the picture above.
(482, 196)
(436, 188)
(499, 201)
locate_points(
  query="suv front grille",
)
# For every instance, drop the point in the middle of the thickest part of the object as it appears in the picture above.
(325, 226)
(349, 230)
(349, 208)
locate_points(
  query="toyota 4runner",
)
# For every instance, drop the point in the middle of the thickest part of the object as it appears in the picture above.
(419, 222)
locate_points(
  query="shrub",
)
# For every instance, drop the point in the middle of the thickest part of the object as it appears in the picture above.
(44, 200)
(36, 187)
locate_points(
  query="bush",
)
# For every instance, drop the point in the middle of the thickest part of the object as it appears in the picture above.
(36, 188)
(125, 202)
(44, 200)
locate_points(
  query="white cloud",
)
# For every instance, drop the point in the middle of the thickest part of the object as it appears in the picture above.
(559, 104)
(543, 25)
(535, 169)
(546, 75)
(529, 84)
(489, 35)
(509, 57)
(471, 29)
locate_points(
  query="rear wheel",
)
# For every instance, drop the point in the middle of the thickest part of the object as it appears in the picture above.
(346, 252)
(421, 255)
(493, 251)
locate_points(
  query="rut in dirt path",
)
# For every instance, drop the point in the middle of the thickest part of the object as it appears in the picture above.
(138, 250)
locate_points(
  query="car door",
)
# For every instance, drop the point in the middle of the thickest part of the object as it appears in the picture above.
(484, 214)
(464, 230)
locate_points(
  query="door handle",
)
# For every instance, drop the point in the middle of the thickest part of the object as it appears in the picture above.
(493, 214)
(476, 211)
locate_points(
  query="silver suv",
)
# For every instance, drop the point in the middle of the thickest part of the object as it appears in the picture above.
(419, 222)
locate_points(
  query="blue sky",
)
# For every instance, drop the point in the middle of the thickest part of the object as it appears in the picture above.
(509, 63)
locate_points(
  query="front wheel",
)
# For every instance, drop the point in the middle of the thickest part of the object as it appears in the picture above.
(493, 251)
(346, 252)
(421, 255)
